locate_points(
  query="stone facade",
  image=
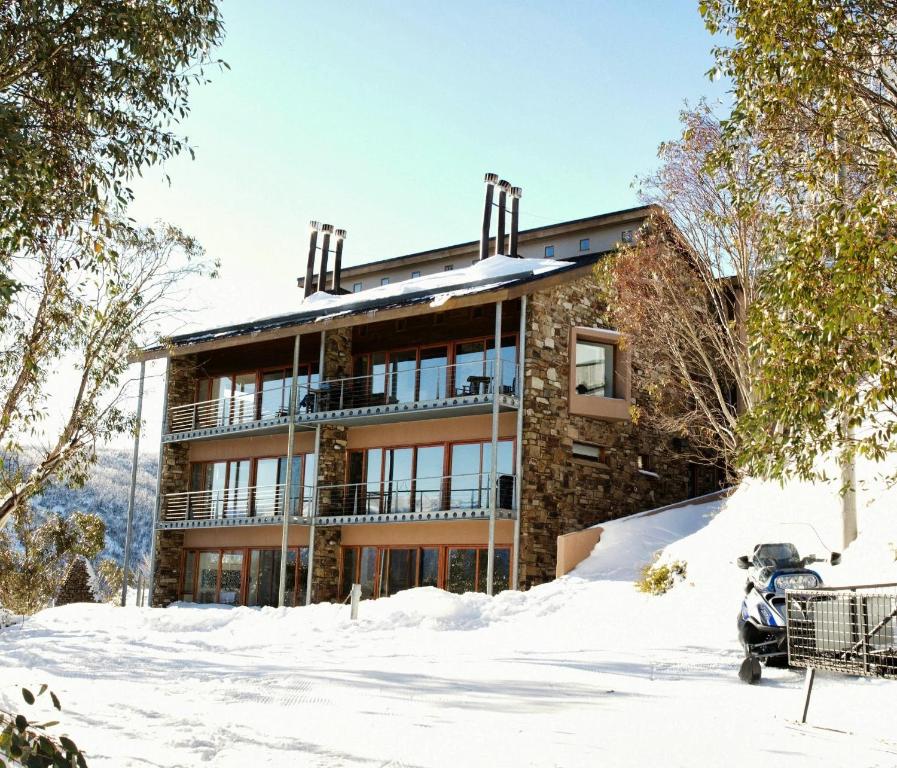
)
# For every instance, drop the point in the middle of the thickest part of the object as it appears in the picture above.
(175, 466)
(561, 492)
(331, 471)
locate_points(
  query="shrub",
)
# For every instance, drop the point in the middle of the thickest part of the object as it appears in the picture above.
(30, 744)
(659, 579)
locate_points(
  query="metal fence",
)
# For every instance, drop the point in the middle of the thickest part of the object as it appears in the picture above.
(852, 630)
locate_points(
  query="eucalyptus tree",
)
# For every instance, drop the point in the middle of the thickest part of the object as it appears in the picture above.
(815, 84)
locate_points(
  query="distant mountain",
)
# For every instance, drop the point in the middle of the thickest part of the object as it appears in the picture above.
(106, 494)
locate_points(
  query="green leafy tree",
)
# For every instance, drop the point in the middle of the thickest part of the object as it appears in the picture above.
(89, 95)
(32, 744)
(35, 552)
(816, 81)
(681, 291)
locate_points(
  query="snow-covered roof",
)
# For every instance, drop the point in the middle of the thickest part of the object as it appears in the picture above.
(434, 290)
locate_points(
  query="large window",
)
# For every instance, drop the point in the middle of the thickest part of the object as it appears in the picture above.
(600, 378)
(249, 487)
(243, 576)
(384, 571)
(431, 373)
(427, 478)
(594, 369)
(242, 397)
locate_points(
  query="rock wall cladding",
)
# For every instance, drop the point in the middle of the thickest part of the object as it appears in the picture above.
(563, 493)
(175, 469)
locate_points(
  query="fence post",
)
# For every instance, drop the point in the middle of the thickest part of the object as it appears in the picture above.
(808, 690)
(355, 598)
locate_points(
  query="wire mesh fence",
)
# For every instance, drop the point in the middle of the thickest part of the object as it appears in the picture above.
(852, 630)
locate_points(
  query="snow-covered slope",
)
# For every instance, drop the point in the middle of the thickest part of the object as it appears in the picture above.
(579, 672)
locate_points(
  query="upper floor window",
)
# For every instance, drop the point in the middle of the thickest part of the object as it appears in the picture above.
(549, 251)
(626, 236)
(356, 287)
(384, 281)
(584, 244)
(448, 267)
(594, 369)
(599, 374)
(414, 274)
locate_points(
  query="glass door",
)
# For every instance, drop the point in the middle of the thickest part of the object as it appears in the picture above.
(402, 376)
(428, 481)
(397, 480)
(470, 368)
(433, 373)
(230, 589)
(267, 498)
(243, 407)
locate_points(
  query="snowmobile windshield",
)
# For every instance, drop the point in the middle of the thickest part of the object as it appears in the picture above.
(777, 556)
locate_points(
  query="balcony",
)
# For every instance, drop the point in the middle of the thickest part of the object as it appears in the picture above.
(454, 497)
(391, 394)
(251, 505)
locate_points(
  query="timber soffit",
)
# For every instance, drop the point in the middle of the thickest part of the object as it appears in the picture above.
(366, 311)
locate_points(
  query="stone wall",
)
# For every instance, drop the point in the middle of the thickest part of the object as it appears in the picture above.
(331, 471)
(563, 493)
(175, 468)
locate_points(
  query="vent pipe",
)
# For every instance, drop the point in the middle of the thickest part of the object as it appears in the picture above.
(313, 227)
(338, 259)
(503, 187)
(516, 192)
(327, 229)
(491, 180)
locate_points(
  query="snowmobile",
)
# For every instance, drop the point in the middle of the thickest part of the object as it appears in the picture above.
(772, 569)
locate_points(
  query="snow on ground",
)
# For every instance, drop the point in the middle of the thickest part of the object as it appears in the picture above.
(580, 672)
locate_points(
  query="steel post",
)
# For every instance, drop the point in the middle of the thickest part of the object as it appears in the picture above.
(518, 479)
(493, 470)
(151, 581)
(287, 503)
(129, 528)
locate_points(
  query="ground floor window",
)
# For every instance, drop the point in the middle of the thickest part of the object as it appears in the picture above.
(243, 576)
(384, 571)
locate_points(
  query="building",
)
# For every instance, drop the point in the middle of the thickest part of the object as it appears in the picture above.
(411, 453)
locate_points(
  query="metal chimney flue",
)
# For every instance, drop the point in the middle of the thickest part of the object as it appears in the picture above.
(516, 193)
(327, 229)
(340, 235)
(503, 187)
(313, 227)
(491, 180)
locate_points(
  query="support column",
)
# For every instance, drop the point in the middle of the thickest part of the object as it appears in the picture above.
(315, 492)
(287, 503)
(129, 530)
(493, 470)
(518, 468)
(153, 532)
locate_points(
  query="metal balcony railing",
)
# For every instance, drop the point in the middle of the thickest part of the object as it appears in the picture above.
(242, 408)
(415, 384)
(421, 495)
(391, 386)
(219, 504)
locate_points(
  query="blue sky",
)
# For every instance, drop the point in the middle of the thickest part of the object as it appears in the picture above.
(381, 118)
